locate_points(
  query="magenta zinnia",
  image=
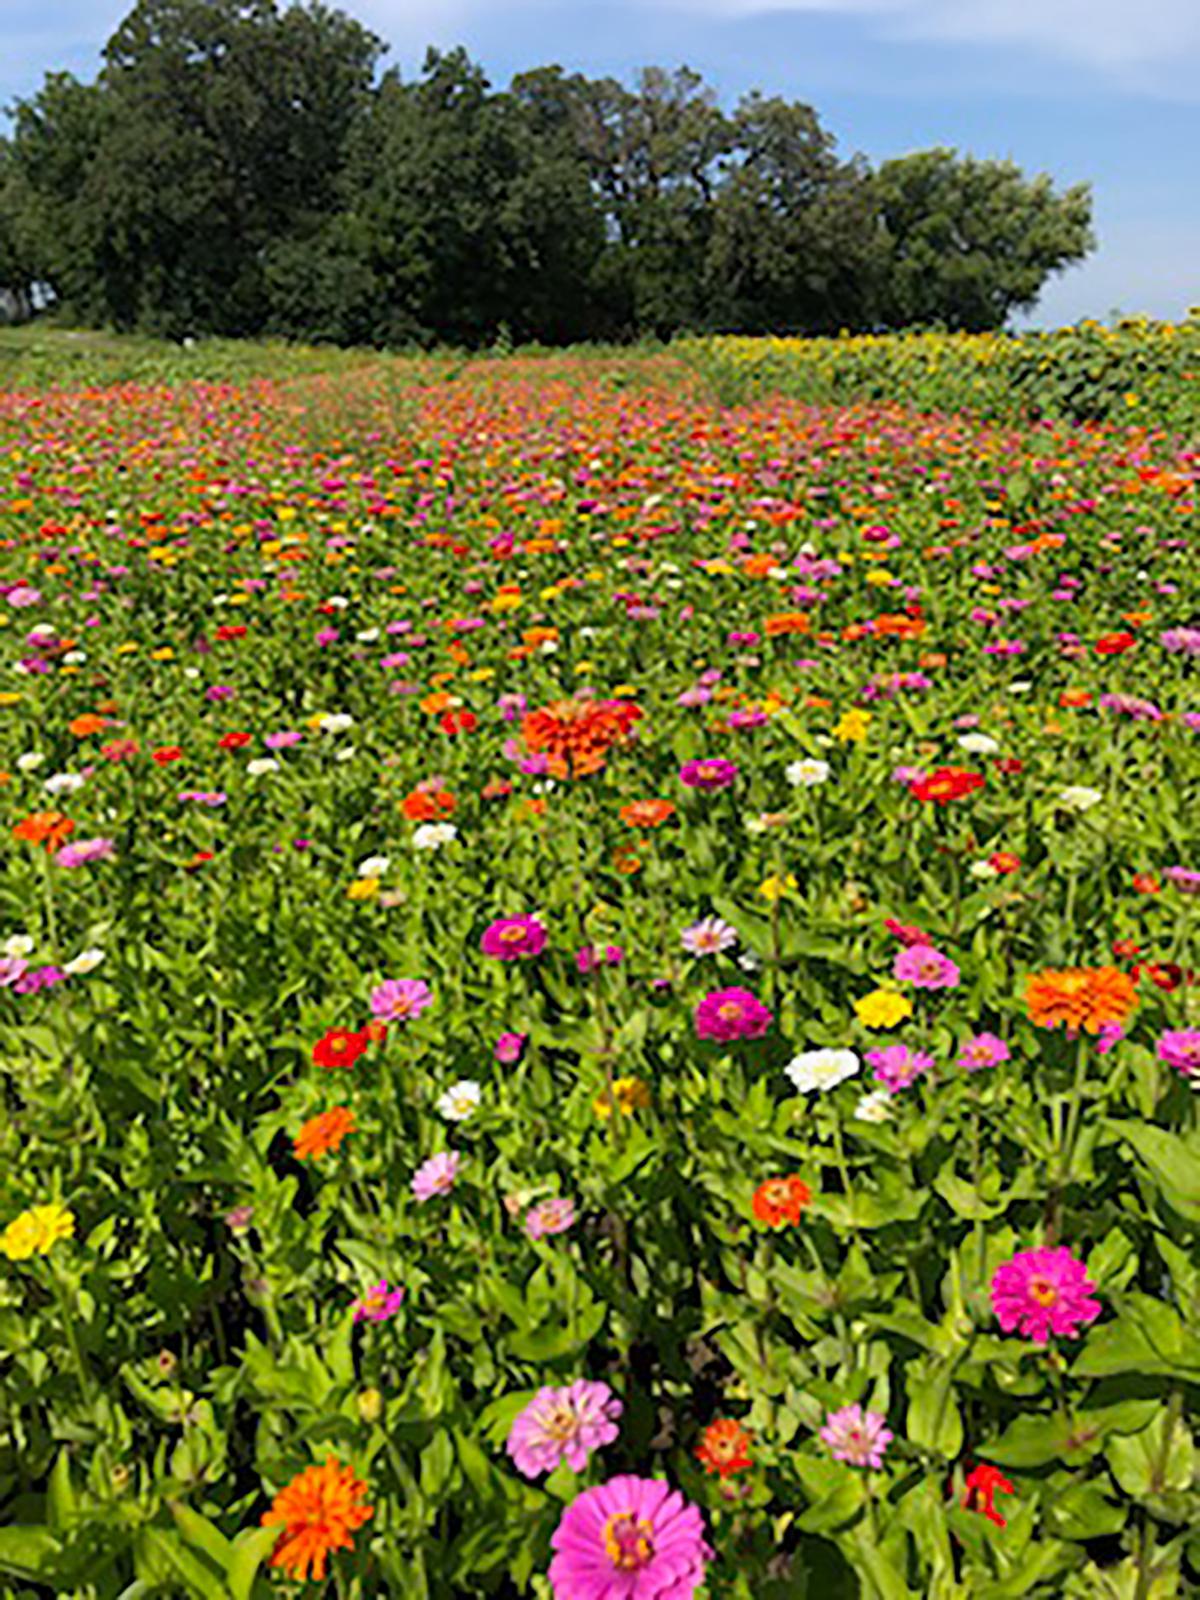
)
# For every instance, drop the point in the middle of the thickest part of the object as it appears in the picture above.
(511, 937)
(1040, 1292)
(731, 1014)
(563, 1424)
(630, 1539)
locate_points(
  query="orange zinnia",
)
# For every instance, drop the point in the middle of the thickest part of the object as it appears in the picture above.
(724, 1448)
(322, 1133)
(786, 622)
(1080, 997)
(647, 813)
(781, 1200)
(87, 724)
(424, 805)
(318, 1511)
(50, 829)
(577, 734)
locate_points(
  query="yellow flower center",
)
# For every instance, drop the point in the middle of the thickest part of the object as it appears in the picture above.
(628, 1542)
(1043, 1291)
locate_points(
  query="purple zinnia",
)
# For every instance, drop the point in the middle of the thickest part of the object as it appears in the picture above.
(511, 937)
(629, 1539)
(84, 850)
(436, 1176)
(711, 774)
(400, 999)
(563, 1424)
(731, 1014)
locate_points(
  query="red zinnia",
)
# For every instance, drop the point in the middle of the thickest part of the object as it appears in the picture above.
(340, 1047)
(233, 741)
(1114, 644)
(982, 1485)
(165, 754)
(946, 784)
(781, 1200)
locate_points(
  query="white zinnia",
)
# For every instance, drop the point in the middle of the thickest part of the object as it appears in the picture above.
(978, 744)
(460, 1100)
(85, 961)
(63, 783)
(30, 761)
(261, 765)
(874, 1107)
(433, 835)
(822, 1069)
(807, 774)
(18, 946)
(374, 866)
(1080, 798)
(336, 721)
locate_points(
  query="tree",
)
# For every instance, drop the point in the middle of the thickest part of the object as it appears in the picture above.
(16, 279)
(965, 242)
(793, 227)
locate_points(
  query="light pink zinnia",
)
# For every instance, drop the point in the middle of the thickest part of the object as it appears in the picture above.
(1181, 1050)
(555, 1215)
(12, 969)
(629, 1539)
(80, 852)
(512, 937)
(400, 999)
(436, 1176)
(378, 1304)
(926, 968)
(731, 1014)
(856, 1436)
(563, 1424)
(709, 937)
(984, 1050)
(1040, 1292)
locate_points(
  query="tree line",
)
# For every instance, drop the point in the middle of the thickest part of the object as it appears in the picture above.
(239, 167)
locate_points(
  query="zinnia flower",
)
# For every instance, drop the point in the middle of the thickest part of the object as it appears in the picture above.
(563, 1424)
(724, 1448)
(378, 1304)
(821, 1069)
(882, 1008)
(896, 1066)
(1040, 1292)
(400, 999)
(856, 1436)
(509, 1048)
(946, 784)
(709, 937)
(1181, 1050)
(628, 1095)
(1080, 997)
(709, 774)
(339, 1047)
(925, 968)
(576, 735)
(323, 1133)
(731, 1014)
(318, 1511)
(780, 1201)
(436, 1176)
(509, 938)
(554, 1215)
(37, 1231)
(460, 1100)
(984, 1050)
(630, 1539)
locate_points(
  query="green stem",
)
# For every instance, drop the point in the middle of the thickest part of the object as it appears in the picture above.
(86, 1382)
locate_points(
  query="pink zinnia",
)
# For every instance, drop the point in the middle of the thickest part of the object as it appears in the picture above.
(563, 1424)
(596, 955)
(511, 937)
(896, 1066)
(984, 1050)
(378, 1304)
(713, 774)
(510, 1047)
(731, 1014)
(1181, 1050)
(400, 999)
(630, 1539)
(856, 1436)
(555, 1215)
(82, 851)
(926, 968)
(12, 969)
(436, 1176)
(1040, 1292)
(907, 935)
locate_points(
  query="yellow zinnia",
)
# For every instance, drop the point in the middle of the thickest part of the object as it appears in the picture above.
(851, 727)
(37, 1231)
(628, 1095)
(882, 1008)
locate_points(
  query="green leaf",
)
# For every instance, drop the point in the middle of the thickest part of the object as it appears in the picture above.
(29, 1552)
(250, 1549)
(1172, 1161)
(62, 1504)
(934, 1422)
(1160, 1458)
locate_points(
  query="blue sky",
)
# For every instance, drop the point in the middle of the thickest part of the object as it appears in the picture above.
(1103, 90)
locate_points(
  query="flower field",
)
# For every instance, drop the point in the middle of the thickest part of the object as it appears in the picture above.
(598, 992)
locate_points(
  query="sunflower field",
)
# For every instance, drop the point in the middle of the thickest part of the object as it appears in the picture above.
(598, 990)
